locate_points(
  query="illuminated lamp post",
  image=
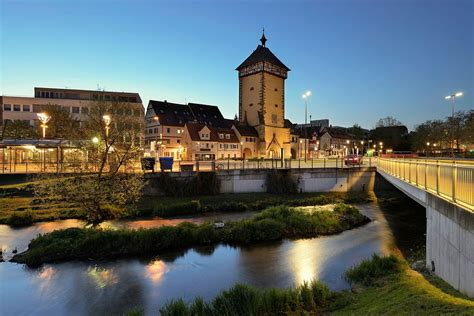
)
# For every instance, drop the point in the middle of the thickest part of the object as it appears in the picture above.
(453, 97)
(44, 119)
(107, 120)
(306, 96)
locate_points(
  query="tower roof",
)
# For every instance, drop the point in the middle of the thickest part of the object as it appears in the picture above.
(262, 53)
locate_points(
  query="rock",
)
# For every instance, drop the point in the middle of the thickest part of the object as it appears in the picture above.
(14, 250)
(418, 265)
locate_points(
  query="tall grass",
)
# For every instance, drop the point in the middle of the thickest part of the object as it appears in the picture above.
(273, 223)
(369, 270)
(245, 300)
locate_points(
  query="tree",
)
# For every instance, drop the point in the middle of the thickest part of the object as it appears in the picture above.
(388, 121)
(105, 192)
(18, 129)
(357, 131)
(61, 124)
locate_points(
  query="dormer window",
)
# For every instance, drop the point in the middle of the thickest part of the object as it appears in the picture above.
(227, 136)
(221, 136)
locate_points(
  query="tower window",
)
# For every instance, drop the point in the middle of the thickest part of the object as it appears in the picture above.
(251, 104)
(276, 89)
(251, 88)
(276, 105)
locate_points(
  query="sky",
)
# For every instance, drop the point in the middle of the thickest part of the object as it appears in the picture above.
(361, 59)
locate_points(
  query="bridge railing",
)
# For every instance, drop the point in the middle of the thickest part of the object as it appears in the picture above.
(450, 179)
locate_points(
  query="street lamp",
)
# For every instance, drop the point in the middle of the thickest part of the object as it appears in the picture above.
(107, 120)
(453, 97)
(44, 119)
(305, 96)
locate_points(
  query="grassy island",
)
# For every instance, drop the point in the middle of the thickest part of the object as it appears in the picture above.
(273, 223)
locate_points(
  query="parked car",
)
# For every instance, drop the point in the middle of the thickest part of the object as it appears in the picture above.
(353, 160)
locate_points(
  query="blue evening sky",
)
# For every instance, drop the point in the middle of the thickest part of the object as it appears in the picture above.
(362, 59)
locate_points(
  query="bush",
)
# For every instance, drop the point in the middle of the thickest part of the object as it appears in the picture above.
(280, 182)
(371, 269)
(201, 183)
(19, 219)
(191, 207)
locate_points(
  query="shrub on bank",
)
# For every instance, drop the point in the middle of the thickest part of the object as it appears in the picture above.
(371, 269)
(19, 219)
(201, 183)
(246, 300)
(272, 224)
(192, 207)
(280, 182)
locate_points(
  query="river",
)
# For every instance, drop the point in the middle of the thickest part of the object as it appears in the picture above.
(113, 287)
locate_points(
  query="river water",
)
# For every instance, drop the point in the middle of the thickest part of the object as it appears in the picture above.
(113, 287)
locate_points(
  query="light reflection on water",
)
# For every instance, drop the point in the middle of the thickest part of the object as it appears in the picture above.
(114, 287)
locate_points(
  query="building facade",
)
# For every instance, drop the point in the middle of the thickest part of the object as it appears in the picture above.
(77, 102)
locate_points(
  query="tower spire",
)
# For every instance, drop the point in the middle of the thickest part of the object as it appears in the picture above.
(263, 39)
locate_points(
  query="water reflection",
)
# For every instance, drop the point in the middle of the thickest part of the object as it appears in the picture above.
(102, 277)
(155, 270)
(116, 286)
(301, 259)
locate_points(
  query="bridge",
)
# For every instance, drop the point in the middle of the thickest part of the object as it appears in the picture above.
(446, 189)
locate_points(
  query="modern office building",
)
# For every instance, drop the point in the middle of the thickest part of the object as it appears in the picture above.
(77, 102)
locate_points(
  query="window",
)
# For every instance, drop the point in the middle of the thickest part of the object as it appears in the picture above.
(276, 105)
(26, 108)
(276, 89)
(168, 130)
(251, 104)
(251, 88)
(178, 141)
(178, 131)
(7, 107)
(227, 136)
(221, 136)
(75, 109)
(274, 118)
(16, 107)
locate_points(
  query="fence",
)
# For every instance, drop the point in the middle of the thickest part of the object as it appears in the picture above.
(450, 179)
(53, 166)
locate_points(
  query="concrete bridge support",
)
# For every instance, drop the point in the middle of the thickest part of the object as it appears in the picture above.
(450, 243)
(449, 236)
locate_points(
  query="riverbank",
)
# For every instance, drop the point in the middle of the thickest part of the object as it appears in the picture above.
(274, 223)
(381, 285)
(19, 207)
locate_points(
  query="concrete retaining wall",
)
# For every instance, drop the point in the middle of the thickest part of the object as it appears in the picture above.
(309, 180)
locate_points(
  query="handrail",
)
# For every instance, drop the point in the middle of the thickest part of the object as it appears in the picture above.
(452, 180)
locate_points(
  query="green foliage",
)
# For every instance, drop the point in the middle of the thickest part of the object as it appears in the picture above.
(18, 219)
(246, 300)
(100, 197)
(272, 224)
(201, 183)
(280, 182)
(192, 207)
(371, 269)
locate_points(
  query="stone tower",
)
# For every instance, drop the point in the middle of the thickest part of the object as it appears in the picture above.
(262, 100)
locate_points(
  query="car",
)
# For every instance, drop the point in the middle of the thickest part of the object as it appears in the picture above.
(353, 160)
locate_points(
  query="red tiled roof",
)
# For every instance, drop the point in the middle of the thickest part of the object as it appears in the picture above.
(195, 129)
